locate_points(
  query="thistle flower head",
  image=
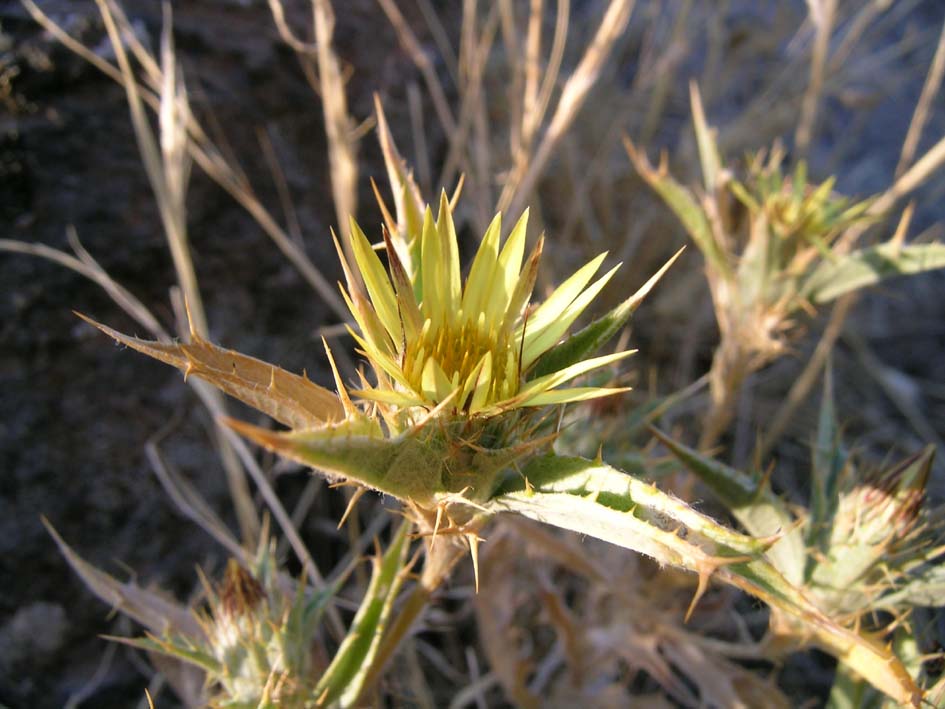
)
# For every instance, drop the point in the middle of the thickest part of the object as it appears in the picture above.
(254, 642)
(799, 213)
(434, 339)
(881, 534)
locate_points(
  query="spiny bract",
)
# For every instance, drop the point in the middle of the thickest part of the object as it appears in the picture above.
(433, 341)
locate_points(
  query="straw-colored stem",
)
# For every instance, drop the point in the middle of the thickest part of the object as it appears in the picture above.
(532, 72)
(411, 45)
(88, 268)
(418, 129)
(285, 32)
(166, 163)
(822, 14)
(439, 563)
(520, 184)
(342, 161)
(933, 82)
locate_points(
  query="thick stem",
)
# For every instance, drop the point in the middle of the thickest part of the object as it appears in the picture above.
(441, 558)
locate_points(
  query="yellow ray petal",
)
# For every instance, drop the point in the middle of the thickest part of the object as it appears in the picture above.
(564, 295)
(435, 384)
(507, 271)
(377, 283)
(368, 322)
(524, 287)
(433, 300)
(574, 394)
(479, 280)
(480, 395)
(389, 396)
(380, 360)
(555, 379)
(409, 311)
(446, 231)
(537, 341)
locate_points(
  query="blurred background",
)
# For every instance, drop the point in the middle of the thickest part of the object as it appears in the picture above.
(78, 411)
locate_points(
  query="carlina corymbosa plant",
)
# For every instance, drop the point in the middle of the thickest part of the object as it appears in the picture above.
(457, 421)
(866, 550)
(775, 245)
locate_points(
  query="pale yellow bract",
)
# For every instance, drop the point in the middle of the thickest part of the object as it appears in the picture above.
(431, 340)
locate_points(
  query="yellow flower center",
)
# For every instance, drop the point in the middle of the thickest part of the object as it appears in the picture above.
(459, 351)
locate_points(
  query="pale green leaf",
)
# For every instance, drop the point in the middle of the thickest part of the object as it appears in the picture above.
(594, 499)
(153, 610)
(759, 510)
(705, 138)
(868, 267)
(829, 459)
(684, 205)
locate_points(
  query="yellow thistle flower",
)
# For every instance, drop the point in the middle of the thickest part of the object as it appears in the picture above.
(433, 340)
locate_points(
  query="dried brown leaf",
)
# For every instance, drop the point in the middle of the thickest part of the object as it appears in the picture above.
(288, 398)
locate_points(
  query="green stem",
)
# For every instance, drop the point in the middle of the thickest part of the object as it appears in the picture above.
(441, 559)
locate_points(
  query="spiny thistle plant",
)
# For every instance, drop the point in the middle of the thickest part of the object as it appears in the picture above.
(773, 247)
(456, 419)
(453, 422)
(867, 551)
(256, 644)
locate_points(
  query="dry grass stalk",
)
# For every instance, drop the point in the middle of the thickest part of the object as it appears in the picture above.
(204, 153)
(933, 81)
(418, 129)
(664, 71)
(822, 16)
(285, 32)
(523, 179)
(803, 385)
(474, 53)
(86, 266)
(342, 157)
(411, 45)
(441, 38)
(167, 163)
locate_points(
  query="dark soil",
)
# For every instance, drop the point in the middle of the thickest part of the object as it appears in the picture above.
(78, 410)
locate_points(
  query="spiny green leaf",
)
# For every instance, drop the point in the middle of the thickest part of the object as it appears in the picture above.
(868, 267)
(759, 510)
(924, 587)
(683, 204)
(417, 465)
(592, 498)
(706, 140)
(829, 459)
(178, 650)
(152, 610)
